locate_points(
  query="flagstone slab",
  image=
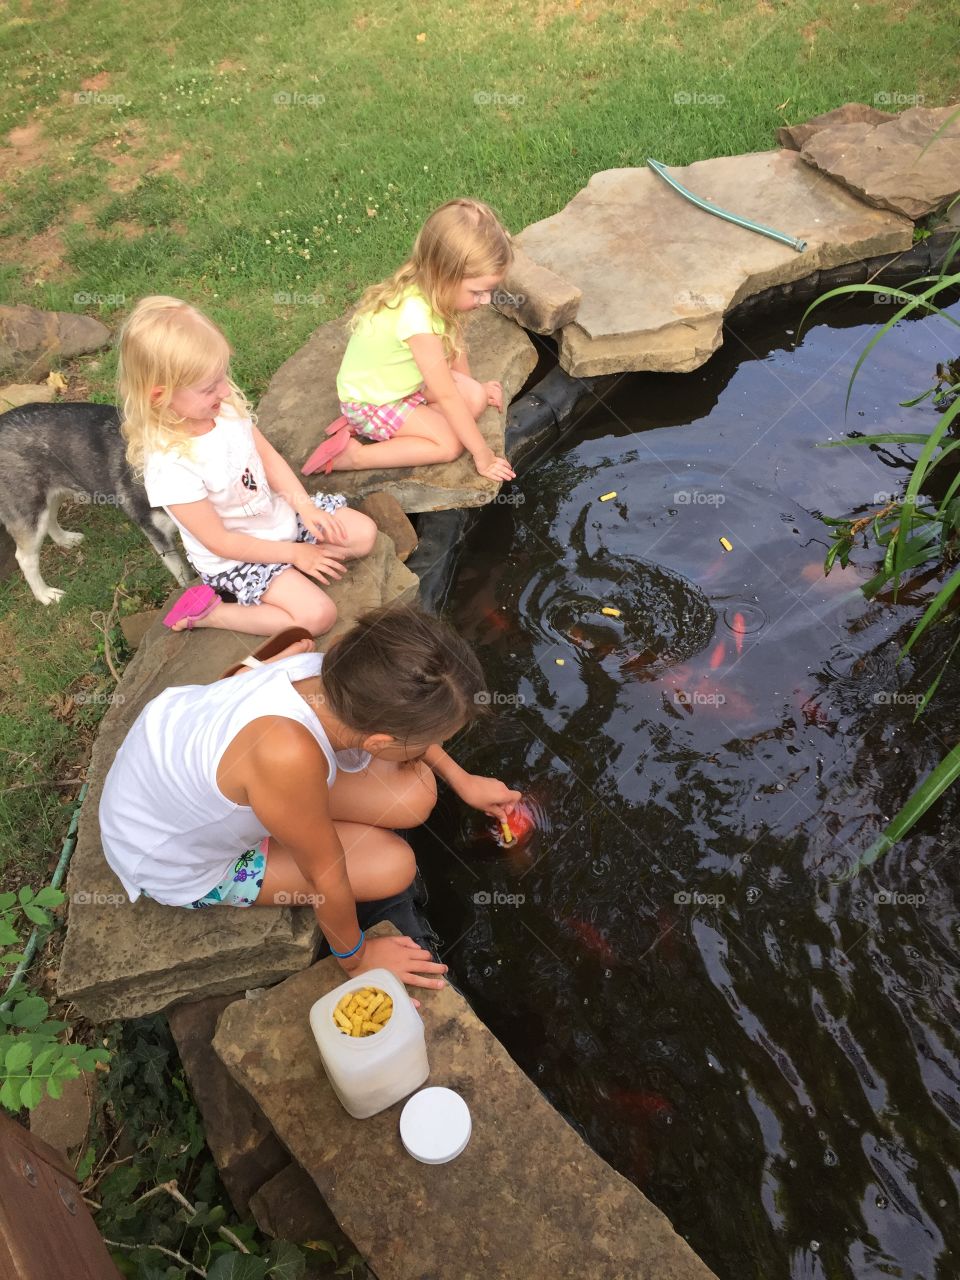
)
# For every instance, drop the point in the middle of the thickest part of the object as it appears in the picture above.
(124, 960)
(795, 135)
(301, 401)
(898, 164)
(657, 274)
(527, 1197)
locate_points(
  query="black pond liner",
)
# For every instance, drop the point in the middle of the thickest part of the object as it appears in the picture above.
(541, 415)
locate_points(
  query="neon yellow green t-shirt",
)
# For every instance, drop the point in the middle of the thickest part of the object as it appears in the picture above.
(378, 365)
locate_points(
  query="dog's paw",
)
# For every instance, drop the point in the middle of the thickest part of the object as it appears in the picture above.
(69, 538)
(49, 595)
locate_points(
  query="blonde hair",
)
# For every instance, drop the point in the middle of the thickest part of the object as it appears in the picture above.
(461, 240)
(166, 343)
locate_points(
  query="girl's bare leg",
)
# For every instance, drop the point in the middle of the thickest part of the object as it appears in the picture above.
(425, 437)
(379, 864)
(390, 794)
(291, 600)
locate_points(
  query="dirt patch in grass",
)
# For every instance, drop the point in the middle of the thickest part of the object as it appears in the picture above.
(26, 148)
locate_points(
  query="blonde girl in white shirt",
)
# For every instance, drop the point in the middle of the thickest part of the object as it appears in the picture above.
(249, 527)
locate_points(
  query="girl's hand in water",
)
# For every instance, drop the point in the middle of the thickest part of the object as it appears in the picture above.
(319, 561)
(487, 794)
(494, 394)
(403, 957)
(321, 524)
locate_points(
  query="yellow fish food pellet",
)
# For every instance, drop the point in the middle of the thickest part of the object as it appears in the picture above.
(605, 497)
(363, 1013)
(726, 544)
(610, 613)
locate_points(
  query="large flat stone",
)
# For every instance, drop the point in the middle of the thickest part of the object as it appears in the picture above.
(795, 135)
(657, 273)
(31, 340)
(526, 1198)
(301, 401)
(122, 960)
(246, 1150)
(535, 297)
(895, 164)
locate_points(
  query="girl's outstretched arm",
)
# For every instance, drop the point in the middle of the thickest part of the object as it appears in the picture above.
(283, 479)
(431, 360)
(201, 519)
(281, 772)
(488, 794)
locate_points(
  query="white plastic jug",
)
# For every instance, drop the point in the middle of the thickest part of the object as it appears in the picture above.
(371, 1073)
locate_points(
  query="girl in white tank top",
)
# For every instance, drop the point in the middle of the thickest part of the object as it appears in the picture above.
(285, 784)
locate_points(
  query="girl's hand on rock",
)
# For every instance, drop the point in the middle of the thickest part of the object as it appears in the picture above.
(403, 957)
(494, 394)
(496, 469)
(321, 524)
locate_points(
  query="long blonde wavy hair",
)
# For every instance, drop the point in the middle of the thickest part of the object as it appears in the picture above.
(461, 240)
(169, 344)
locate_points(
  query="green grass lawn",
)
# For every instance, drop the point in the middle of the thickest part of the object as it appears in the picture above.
(267, 162)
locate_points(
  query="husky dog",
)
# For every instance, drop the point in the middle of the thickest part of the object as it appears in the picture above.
(52, 451)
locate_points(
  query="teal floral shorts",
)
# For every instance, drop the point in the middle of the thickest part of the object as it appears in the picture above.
(241, 884)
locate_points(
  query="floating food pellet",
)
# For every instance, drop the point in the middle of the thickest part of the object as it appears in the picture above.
(726, 544)
(605, 497)
(559, 661)
(610, 613)
(505, 831)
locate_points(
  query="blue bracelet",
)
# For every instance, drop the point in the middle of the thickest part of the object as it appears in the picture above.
(344, 955)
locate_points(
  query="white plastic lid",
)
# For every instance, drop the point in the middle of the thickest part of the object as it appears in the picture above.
(435, 1125)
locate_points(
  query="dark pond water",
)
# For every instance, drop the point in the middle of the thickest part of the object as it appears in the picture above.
(769, 1052)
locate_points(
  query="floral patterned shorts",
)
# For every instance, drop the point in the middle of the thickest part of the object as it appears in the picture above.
(248, 582)
(379, 421)
(240, 886)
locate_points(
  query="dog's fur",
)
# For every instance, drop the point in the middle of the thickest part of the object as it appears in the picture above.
(52, 451)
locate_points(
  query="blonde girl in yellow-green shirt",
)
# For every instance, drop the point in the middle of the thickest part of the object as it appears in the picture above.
(404, 384)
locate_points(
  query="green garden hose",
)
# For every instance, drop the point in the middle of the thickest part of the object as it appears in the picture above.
(735, 218)
(69, 844)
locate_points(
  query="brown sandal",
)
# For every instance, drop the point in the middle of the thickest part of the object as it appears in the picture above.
(269, 649)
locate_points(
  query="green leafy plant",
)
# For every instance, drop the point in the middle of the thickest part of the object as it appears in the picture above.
(34, 1055)
(158, 1198)
(919, 536)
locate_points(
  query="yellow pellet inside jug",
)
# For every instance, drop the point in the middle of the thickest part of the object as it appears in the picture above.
(363, 1012)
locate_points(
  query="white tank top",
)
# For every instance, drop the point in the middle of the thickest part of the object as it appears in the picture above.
(166, 827)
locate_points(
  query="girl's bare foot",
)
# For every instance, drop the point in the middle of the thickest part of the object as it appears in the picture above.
(351, 459)
(194, 624)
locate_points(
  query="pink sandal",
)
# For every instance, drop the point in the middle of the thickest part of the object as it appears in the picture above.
(338, 437)
(195, 603)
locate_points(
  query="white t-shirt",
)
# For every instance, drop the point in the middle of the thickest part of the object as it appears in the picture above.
(166, 827)
(225, 468)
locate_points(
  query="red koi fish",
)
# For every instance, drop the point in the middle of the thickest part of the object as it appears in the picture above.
(640, 1103)
(716, 658)
(592, 939)
(495, 619)
(739, 629)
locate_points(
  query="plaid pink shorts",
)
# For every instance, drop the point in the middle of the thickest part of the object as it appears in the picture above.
(379, 421)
